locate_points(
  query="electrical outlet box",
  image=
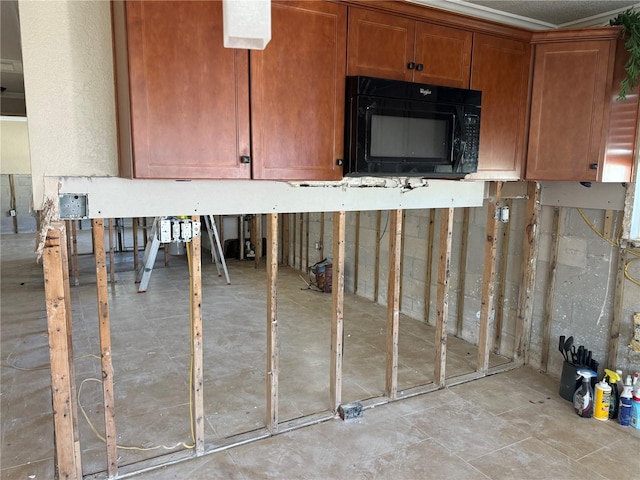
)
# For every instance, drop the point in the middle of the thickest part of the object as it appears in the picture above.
(73, 206)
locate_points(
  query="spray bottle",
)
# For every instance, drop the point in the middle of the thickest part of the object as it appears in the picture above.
(626, 404)
(602, 402)
(635, 408)
(583, 398)
(614, 404)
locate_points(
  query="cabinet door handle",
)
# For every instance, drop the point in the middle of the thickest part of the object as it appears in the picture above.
(339, 162)
(245, 159)
(419, 67)
(593, 166)
(411, 65)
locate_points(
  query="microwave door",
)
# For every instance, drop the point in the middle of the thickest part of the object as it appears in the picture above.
(408, 138)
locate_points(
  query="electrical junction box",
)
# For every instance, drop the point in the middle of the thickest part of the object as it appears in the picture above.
(73, 206)
(350, 411)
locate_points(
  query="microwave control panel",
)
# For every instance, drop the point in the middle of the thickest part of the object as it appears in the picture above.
(472, 138)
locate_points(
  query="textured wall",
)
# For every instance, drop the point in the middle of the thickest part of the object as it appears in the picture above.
(414, 270)
(25, 218)
(583, 301)
(584, 293)
(14, 144)
(68, 76)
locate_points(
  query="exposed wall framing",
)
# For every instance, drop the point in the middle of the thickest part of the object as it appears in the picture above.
(614, 331)
(197, 381)
(297, 229)
(551, 283)
(286, 237)
(442, 306)
(427, 283)
(272, 323)
(104, 326)
(65, 417)
(393, 301)
(376, 275)
(501, 281)
(337, 311)
(356, 254)
(464, 245)
(527, 285)
(112, 266)
(321, 240)
(134, 228)
(488, 277)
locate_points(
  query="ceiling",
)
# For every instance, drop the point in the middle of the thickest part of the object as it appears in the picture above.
(538, 14)
(532, 14)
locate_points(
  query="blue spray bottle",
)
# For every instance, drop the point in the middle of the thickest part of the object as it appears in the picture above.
(583, 398)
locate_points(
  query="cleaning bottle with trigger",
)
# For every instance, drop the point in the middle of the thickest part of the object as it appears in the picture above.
(613, 379)
(583, 398)
(626, 404)
(602, 401)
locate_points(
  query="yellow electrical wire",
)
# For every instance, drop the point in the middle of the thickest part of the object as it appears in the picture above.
(121, 447)
(627, 274)
(191, 420)
(9, 363)
(45, 366)
(615, 244)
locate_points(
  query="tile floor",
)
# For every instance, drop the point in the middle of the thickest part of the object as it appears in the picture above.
(509, 425)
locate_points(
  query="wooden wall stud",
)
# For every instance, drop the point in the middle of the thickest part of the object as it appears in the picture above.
(464, 247)
(273, 362)
(442, 302)
(104, 325)
(67, 458)
(527, 284)
(393, 302)
(488, 277)
(196, 338)
(337, 312)
(551, 284)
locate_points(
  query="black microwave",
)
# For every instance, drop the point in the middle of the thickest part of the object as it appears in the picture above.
(397, 128)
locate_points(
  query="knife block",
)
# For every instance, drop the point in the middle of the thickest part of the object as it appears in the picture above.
(569, 381)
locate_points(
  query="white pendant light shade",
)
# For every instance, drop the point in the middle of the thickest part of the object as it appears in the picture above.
(247, 23)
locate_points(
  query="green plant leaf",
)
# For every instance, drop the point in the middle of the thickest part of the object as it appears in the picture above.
(629, 20)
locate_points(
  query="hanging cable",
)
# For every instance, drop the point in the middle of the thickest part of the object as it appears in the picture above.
(615, 244)
(121, 447)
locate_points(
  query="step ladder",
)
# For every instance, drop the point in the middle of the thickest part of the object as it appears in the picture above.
(153, 245)
(149, 259)
(217, 254)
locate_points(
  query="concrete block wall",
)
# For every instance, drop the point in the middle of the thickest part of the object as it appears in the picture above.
(25, 215)
(584, 295)
(414, 270)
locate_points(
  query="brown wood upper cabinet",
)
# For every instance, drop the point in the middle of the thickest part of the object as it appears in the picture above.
(578, 130)
(297, 93)
(184, 104)
(500, 69)
(183, 98)
(394, 47)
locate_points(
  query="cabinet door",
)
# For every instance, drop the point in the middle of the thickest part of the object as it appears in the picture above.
(297, 93)
(444, 54)
(380, 45)
(188, 94)
(500, 69)
(567, 110)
